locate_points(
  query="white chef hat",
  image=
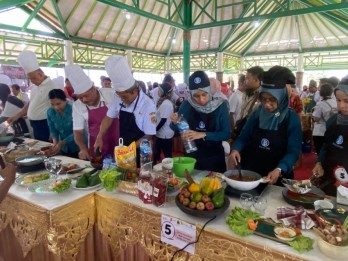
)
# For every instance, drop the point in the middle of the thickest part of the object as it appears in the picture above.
(59, 82)
(4, 79)
(78, 79)
(28, 60)
(119, 72)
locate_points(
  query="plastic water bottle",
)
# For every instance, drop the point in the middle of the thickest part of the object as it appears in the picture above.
(145, 152)
(190, 146)
(107, 162)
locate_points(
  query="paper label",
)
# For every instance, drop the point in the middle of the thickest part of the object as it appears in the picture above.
(178, 233)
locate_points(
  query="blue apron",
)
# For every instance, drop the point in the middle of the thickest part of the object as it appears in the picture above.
(210, 155)
(336, 161)
(266, 149)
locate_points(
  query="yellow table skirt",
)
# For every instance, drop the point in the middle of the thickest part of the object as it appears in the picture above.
(130, 229)
(61, 231)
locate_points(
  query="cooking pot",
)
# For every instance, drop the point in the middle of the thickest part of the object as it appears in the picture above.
(243, 185)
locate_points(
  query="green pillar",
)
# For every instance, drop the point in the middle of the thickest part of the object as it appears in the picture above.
(187, 53)
(187, 39)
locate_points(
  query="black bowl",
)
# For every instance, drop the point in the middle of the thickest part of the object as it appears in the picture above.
(97, 166)
(203, 213)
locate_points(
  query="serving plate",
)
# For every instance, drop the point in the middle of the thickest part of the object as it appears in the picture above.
(74, 170)
(42, 188)
(30, 160)
(278, 230)
(331, 216)
(87, 188)
(305, 200)
(203, 213)
(266, 229)
(19, 181)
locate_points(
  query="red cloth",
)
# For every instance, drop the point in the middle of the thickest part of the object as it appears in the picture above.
(295, 217)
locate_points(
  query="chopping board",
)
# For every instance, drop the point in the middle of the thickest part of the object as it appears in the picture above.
(305, 200)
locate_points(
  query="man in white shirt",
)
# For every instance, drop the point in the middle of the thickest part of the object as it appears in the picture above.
(135, 110)
(88, 112)
(236, 100)
(16, 91)
(36, 109)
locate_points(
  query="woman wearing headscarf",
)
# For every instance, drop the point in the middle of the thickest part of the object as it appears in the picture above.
(164, 134)
(208, 119)
(270, 141)
(332, 162)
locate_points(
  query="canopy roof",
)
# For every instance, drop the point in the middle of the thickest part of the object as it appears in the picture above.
(239, 27)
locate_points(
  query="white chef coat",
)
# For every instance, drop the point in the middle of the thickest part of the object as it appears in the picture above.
(80, 112)
(39, 102)
(145, 112)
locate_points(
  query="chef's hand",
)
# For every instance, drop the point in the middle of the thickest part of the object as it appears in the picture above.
(10, 120)
(235, 156)
(174, 118)
(191, 135)
(98, 144)
(57, 147)
(84, 155)
(273, 176)
(318, 170)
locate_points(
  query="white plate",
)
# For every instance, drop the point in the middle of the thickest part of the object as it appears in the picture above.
(42, 188)
(20, 179)
(290, 231)
(87, 188)
(77, 169)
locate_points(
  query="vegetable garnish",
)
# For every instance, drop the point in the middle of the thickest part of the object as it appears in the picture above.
(302, 244)
(238, 221)
(60, 186)
(109, 178)
(252, 224)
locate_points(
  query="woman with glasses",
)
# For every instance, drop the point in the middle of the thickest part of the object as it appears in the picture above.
(270, 141)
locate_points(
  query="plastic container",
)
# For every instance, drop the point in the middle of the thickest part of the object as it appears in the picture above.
(145, 152)
(145, 183)
(182, 163)
(183, 126)
(159, 188)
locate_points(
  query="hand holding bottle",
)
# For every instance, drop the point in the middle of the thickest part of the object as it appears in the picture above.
(174, 118)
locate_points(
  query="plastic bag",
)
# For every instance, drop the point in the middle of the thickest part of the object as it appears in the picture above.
(126, 156)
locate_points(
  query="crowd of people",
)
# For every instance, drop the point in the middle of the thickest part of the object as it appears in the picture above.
(261, 119)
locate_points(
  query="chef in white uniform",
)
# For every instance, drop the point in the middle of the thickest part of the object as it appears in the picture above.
(134, 109)
(89, 109)
(36, 109)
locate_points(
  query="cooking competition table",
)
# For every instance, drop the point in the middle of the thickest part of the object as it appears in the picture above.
(100, 225)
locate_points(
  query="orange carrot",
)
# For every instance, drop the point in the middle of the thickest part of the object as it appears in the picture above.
(252, 225)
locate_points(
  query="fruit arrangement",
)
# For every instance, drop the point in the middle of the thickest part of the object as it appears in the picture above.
(208, 195)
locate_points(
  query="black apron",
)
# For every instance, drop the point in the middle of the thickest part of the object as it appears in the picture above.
(336, 161)
(129, 129)
(210, 155)
(266, 149)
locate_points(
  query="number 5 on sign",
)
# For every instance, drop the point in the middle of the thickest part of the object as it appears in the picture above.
(178, 233)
